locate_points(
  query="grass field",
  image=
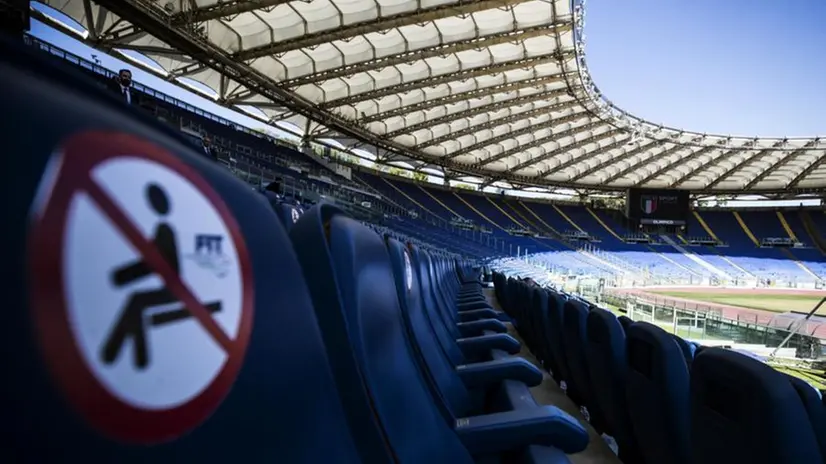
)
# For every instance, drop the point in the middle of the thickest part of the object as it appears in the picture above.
(778, 303)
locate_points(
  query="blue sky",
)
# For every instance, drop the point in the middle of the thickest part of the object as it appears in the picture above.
(739, 67)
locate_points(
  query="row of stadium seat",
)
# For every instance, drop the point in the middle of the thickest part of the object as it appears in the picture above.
(663, 399)
(352, 347)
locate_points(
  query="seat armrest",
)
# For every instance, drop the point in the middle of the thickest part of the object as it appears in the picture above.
(472, 305)
(485, 373)
(475, 314)
(480, 326)
(472, 347)
(514, 430)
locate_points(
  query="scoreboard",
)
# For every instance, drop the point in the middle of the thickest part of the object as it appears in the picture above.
(657, 206)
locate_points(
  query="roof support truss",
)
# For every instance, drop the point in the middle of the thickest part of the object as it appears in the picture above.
(809, 169)
(738, 166)
(575, 145)
(574, 160)
(496, 106)
(670, 165)
(222, 10)
(475, 43)
(566, 133)
(677, 147)
(502, 121)
(688, 175)
(471, 73)
(551, 123)
(628, 154)
(782, 162)
(409, 18)
(470, 95)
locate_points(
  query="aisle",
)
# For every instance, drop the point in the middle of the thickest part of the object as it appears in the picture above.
(549, 393)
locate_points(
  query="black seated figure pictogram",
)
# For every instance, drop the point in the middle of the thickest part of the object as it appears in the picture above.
(133, 321)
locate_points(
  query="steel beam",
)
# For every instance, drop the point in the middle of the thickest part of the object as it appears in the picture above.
(470, 95)
(518, 148)
(738, 166)
(677, 147)
(692, 172)
(433, 81)
(222, 10)
(590, 155)
(499, 122)
(628, 154)
(782, 162)
(382, 23)
(551, 123)
(561, 150)
(809, 169)
(495, 106)
(668, 166)
(475, 43)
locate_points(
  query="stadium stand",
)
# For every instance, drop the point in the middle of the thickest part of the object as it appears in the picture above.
(346, 316)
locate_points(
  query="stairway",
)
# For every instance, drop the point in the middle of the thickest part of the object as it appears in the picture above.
(800, 264)
(695, 258)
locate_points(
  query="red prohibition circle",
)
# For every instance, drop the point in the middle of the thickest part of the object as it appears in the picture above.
(69, 174)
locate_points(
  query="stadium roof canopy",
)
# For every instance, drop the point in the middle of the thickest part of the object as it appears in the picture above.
(491, 88)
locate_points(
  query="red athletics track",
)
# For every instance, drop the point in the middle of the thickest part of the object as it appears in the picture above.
(727, 311)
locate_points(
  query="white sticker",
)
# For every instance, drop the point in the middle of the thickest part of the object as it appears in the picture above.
(146, 337)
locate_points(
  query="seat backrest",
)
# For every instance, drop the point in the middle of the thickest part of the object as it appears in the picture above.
(353, 287)
(96, 368)
(554, 330)
(575, 341)
(657, 392)
(742, 410)
(540, 322)
(813, 402)
(687, 348)
(608, 366)
(438, 370)
(625, 321)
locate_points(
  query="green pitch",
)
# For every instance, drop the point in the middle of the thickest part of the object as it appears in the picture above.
(778, 302)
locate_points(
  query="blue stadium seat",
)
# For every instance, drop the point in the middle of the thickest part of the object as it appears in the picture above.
(575, 341)
(281, 404)
(608, 368)
(657, 389)
(463, 341)
(354, 289)
(743, 410)
(813, 402)
(540, 313)
(554, 329)
(625, 321)
(494, 386)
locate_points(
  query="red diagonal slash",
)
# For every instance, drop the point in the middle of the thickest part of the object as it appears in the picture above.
(157, 262)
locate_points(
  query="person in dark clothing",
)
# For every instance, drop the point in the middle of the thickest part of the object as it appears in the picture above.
(122, 85)
(206, 142)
